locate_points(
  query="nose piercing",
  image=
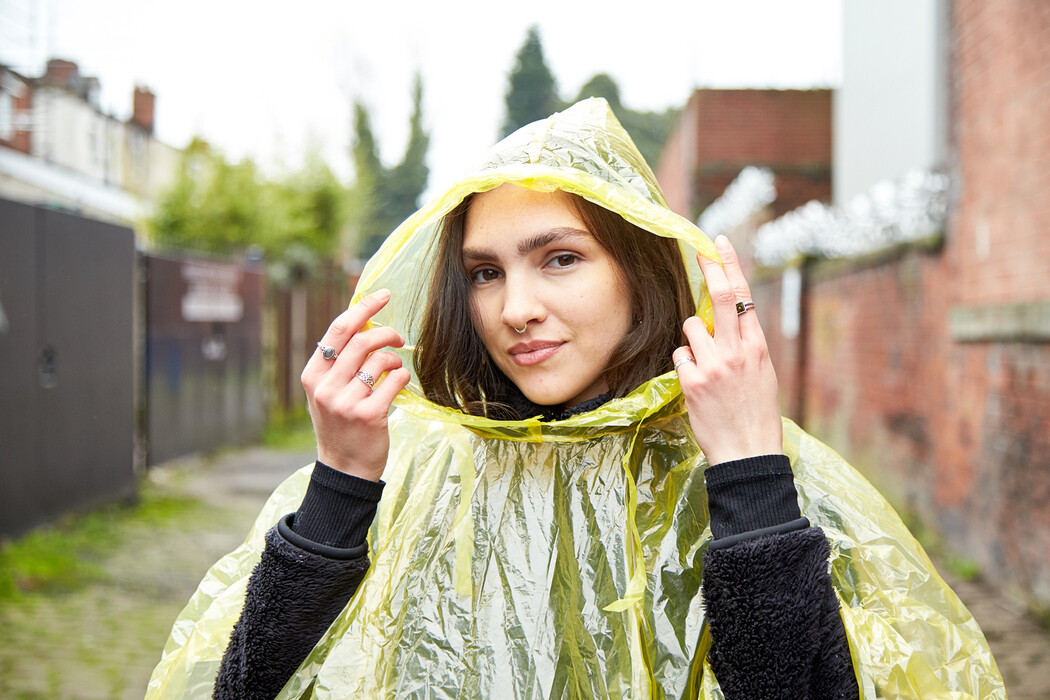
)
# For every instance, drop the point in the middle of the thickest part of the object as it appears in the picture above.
(522, 329)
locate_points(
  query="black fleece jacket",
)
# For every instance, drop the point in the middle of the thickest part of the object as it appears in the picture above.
(774, 618)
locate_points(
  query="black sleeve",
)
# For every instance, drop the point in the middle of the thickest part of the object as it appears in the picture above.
(313, 562)
(775, 625)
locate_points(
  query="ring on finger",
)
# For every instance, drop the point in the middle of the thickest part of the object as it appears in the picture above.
(682, 360)
(328, 352)
(742, 307)
(367, 378)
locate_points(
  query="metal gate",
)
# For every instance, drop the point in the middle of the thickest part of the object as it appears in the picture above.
(66, 364)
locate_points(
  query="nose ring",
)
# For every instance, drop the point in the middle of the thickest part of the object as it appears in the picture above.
(522, 329)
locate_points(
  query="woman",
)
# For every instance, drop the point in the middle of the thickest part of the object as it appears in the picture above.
(546, 524)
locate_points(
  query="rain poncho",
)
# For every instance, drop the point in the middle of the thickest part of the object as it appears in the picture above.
(538, 559)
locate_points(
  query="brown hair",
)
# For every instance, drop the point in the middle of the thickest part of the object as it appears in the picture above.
(451, 362)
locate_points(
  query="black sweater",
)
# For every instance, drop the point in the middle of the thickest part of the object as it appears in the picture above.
(774, 618)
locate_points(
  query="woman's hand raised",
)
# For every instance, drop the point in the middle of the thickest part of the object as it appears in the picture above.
(349, 416)
(730, 386)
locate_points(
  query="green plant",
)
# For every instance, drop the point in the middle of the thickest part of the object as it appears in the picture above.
(68, 553)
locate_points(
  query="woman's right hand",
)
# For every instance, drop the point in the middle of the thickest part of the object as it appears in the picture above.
(349, 418)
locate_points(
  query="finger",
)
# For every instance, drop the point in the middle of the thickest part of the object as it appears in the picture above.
(358, 350)
(366, 378)
(701, 344)
(723, 303)
(682, 356)
(345, 326)
(748, 321)
(394, 381)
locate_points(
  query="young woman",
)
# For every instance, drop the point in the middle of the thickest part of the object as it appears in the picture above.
(587, 491)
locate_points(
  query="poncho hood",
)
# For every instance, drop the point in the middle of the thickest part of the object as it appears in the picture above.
(563, 559)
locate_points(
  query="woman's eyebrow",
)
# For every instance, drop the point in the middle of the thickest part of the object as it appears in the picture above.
(541, 240)
(528, 245)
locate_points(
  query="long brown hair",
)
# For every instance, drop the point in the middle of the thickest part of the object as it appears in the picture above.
(451, 362)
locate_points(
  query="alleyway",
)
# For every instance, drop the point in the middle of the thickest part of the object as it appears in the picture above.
(102, 641)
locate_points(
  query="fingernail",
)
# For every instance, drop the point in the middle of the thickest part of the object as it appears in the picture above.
(722, 243)
(381, 294)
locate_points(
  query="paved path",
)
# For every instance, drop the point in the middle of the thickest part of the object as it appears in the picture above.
(103, 640)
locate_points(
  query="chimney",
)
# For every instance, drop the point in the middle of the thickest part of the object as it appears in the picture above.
(142, 108)
(62, 74)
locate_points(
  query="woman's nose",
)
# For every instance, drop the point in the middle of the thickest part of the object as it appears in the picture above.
(522, 303)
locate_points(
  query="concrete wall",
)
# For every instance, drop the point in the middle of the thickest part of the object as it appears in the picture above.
(891, 110)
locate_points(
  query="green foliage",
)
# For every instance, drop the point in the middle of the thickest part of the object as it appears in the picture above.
(531, 93)
(387, 196)
(220, 207)
(648, 130)
(67, 554)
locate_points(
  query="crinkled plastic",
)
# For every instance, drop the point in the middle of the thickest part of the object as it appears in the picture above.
(553, 560)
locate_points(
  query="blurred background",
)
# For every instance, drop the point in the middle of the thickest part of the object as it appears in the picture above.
(188, 192)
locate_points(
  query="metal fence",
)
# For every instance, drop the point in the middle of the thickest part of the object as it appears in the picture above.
(205, 387)
(66, 364)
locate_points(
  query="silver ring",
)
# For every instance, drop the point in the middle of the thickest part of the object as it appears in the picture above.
(328, 352)
(367, 379)
(742, 307)
(519, 332)
(683, 360)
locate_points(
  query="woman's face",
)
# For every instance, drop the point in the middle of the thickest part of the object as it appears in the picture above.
(534, 266)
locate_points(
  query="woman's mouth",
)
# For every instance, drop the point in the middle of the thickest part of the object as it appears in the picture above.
(537, 351)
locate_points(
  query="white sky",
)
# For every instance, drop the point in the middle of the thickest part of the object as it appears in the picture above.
(263, 78)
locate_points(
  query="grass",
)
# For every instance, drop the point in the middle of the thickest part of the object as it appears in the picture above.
(68, 553)
(290, 432)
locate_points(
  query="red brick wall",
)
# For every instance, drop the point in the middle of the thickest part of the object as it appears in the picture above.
(677, 163)
(1002, 139)
(722, 131)
(23, 106)
(956, 430)
(758, 127)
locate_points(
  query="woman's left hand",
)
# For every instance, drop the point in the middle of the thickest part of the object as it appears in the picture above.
(730, 386)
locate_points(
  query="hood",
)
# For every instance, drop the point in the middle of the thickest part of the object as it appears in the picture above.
(582, 150)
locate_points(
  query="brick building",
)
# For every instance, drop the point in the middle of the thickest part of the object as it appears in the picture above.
(927, 363)
(59, 148)
(721, 131)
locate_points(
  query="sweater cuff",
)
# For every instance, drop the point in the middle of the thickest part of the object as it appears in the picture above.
(751, 494)
(337, 509)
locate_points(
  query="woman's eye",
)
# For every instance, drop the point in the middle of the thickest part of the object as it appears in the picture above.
(564, 260)
(485, 274)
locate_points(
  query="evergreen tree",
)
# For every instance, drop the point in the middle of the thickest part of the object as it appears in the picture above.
(648, 130)
(387, 196)
(531, 93)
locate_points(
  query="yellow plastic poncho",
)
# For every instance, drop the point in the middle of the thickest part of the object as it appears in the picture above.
(555, 560)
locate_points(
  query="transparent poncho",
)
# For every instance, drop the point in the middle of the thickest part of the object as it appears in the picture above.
(529, 559)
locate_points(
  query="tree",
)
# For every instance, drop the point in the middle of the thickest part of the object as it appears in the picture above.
(387, 196)
(648, 130)
(221, 207)
(531, 93)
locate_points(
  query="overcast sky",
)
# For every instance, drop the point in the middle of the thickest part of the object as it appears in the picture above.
(263, 78)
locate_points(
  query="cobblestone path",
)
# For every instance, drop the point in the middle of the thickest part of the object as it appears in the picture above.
(103, 640)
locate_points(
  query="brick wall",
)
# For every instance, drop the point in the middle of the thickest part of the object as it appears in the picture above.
(930, 370)
(721, 131)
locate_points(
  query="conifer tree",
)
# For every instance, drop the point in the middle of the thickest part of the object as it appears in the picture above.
(648, 130)
(531, 93)
(387, 196)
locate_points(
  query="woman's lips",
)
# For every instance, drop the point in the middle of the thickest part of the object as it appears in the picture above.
(537, 351)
